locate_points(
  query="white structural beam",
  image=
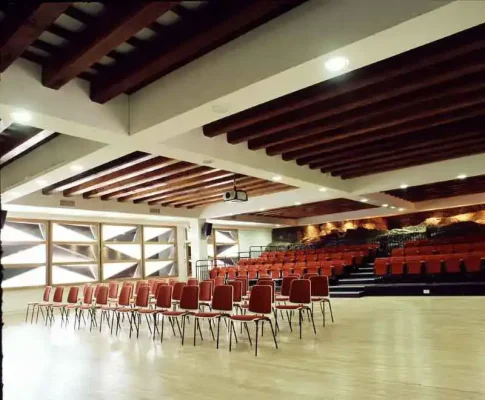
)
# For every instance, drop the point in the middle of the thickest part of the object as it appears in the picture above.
(259, 67)
(67, 110)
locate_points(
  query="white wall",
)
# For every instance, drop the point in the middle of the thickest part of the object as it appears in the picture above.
(253, 237)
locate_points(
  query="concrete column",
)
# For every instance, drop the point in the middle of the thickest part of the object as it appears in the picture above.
(182, 262)
(198, 242)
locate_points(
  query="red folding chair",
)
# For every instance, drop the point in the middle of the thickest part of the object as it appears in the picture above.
(320, 292)
(33, 304)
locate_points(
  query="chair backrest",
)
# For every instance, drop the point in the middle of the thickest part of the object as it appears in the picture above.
(300, 291)
(177, 290)
(193, 282)
(142, 296)
(125, 295)
(223, 298)
(218, 281)
(58, 293)
(190, 298)
(245, 283)
(205, 291)
(102, 297)
(73, 295)
(319, 286)
(164, 296)
(113, 290)
(96, 290)
(172, 282)
(138, 284)
(260, 300)
(88, 295)
(270, 283)
(237, 292)
(47, 293)
(309, 275)
(286, 284)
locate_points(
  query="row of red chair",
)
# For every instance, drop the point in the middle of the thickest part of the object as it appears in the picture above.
(307, 254)
(429, 264)
(330, 268)
(461, 248)
(451, 240)
(350, 258)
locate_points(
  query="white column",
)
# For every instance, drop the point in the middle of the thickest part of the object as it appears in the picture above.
(182, 262)
(198, 242)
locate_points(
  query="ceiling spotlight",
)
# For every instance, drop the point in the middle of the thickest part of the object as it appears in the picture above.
(404, 186)
(77, 167)
(322, 189)
(262, 209)
(277, 178)
(461, 176)
(277, 225)
(401, 209)
(297, 203)
(41, 182)
(336, 64)
(364, 200)
(385, 205)
(21, 116)
(393, 207)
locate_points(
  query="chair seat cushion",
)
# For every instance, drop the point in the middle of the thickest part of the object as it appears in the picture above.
(148, 310)
(282, 298)
(174, 313)
(86, 307)
(60, 305)
(290, 307)
(109, 308)
(72, 306)
(208, 314)
(32, 303)
(317, 298)
(126, 309)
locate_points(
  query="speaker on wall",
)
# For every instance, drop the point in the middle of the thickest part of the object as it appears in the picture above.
(207, 229)
(3, 217)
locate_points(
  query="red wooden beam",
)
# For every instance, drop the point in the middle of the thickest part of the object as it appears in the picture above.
(115, 26)
(164, 56)
(20, 29)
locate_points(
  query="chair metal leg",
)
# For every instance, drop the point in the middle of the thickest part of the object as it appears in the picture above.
(289, 315)
(148, 323)
(322, 307)
(257, 331)
(183, 329)
(32, 314)
(218, 326)
(195, 329)
(313, 322)
(210, 328)
(330, 306)
(247, 331)
(300, 317)
(230, 335)
(273, 331)
(234, 330)
(27, 313)
(161, 333)
(198, 327)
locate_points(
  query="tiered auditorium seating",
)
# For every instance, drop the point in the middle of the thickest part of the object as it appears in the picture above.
(433, 259)
(332, 262)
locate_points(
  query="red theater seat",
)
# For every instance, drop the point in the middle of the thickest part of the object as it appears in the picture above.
(453, 263)
(381, 266)
(397, 266)
(473, 263)
(414, 266)
(433, 264)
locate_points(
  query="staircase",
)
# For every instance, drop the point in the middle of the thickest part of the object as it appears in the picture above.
(354, 284)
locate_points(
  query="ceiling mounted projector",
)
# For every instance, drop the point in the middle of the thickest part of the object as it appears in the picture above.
(235, 195)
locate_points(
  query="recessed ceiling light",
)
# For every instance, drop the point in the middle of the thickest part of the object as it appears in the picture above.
(336, 64)
(277, 178)
(364, 200)
(297, 203)
(21, 116)
(277, 225)
(404, 186)
(41, 182)
(207, 161)
(262, 209)
(322, 189)
(385, 205)
(461, 176)
(393, 207)
(77, 167)
(401, 209)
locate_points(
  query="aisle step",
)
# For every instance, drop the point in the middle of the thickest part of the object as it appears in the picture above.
(362, 274)
(347, 294)
(357, 280)
(366, 269)
(346, 288)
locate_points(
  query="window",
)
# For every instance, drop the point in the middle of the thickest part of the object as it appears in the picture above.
(121, 252)
(226, 245)
(24, 253)
(75, 253)
(160, 251)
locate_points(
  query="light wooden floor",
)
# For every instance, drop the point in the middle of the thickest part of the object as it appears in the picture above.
(378, 348)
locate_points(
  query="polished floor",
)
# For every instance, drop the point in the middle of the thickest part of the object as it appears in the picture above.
(378, 348)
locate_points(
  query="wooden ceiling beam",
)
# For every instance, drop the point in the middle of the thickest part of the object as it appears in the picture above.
(97, 172)
(187, 189)
(249, 183)
(124, 171)
(413, 153)
(395, 149)
(428, 123)
(426, 56)
(393, 120)
(27, 146)
(174, 167)
(386, 104)
(156, 184)
(115, 26)
(20, 29)
(191, 181)
(413, 162)
(219, 25)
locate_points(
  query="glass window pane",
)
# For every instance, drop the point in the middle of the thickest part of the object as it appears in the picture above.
(32, 253)
(62, 232)
(20, 276)
(227, 250)
(70, 253)
(74, 273)
(121, 233)
(159, 234)
(226, 236)
(19, 231)
(121, 252)
(122, 270)
(161, 268)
